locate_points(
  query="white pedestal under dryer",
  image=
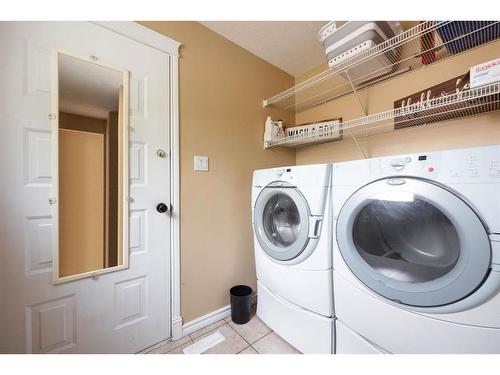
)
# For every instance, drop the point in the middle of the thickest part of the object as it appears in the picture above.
(417, 253)
(291, 216)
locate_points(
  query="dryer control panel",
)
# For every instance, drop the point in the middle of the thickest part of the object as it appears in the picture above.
(481, 165)
(422, 165)
(473, 165)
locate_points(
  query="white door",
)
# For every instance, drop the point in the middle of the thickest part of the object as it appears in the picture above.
(118, 312)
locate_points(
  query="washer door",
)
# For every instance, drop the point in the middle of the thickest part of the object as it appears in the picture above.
(413, 242)
(281, 222)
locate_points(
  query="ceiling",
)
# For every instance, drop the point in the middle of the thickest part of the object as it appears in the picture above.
(290, 45)
(87, 89)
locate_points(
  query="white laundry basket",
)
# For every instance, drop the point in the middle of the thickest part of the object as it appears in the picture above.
(354, 37)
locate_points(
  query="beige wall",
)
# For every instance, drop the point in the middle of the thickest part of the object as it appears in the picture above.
(113, 231)
(484, 129)
(221, 116)
(81, 123)
(81, 193)
(81, 201)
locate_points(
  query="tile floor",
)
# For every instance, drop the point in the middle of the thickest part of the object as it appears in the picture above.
(251, 338)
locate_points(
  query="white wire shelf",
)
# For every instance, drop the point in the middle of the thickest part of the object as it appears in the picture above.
(467, 103)
(422, 45)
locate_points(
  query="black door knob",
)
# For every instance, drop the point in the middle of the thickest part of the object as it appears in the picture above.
(162, 208)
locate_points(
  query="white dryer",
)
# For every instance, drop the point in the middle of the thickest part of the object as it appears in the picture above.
(291, 216)
(417, 253)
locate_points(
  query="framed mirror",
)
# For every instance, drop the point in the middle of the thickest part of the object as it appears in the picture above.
(90, 164)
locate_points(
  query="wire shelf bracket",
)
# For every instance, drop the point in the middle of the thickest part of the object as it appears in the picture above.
(363, 108)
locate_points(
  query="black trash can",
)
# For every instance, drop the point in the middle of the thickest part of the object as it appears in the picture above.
(241, 303)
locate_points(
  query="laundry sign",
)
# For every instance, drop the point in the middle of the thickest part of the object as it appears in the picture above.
(324, 131)
(421, 100)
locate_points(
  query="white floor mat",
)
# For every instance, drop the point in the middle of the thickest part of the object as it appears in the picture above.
(205, 343)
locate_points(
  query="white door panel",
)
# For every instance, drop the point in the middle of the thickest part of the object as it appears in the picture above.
(119, 312)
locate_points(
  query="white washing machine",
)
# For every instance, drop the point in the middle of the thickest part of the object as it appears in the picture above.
(291, 216)
(417, 253)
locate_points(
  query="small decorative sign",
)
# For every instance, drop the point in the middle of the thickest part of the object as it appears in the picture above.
(324, 131)
(455, 85)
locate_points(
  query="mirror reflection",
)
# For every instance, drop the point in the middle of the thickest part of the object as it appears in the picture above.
(91, 126)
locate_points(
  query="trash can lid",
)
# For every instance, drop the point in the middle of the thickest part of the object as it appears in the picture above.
(240, 290)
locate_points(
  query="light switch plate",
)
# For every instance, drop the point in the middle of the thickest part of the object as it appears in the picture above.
(201, 163)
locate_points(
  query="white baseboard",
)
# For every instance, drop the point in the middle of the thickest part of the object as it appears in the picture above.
(207, 319)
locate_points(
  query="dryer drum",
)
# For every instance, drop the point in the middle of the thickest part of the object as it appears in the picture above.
(407, 241)
(418, 242)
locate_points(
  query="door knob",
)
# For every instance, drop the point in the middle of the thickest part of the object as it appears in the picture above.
(162, 208)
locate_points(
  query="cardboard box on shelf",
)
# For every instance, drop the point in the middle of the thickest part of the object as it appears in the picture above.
(485, 73)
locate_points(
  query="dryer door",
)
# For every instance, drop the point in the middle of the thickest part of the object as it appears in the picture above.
(281, 222)
(414, 242)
